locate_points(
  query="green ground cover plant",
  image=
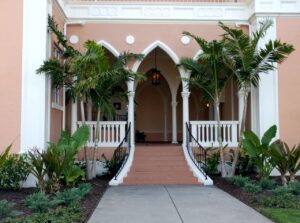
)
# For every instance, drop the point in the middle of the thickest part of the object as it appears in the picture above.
(6, 209)
(282, 215)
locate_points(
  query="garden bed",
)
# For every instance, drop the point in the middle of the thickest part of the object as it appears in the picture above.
(88, 205)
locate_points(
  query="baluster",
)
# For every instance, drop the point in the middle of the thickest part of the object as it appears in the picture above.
(229, 136)
(199, 133)
(104, 133)
(224, 138)
(122, 132)
(234, 134)
(108, 133)
(207, 134)
(117, 133)
(194, 133)
(211, 133)
(202, 133)
(113, 133)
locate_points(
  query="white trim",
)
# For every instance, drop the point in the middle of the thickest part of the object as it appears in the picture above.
(109, 47)
(194, 169)
(200, 51)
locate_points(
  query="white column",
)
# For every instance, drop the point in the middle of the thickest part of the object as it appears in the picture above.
(174, 121)
(74, 116)
(89, 110)
(241, 95)
(266, 104)
(34, 87)
(185, 112)
(131, 94)
(165, 122)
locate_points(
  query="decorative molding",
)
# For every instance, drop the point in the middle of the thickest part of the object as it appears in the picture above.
(74, 39)
(185, 40)
(109, 47)
(130, 39)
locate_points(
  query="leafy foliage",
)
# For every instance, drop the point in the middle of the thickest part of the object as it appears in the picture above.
(114, 164)
(267, 184)
(279, 201)
(14, 169)
(39, 202)
(6, 209)
(259, 150)
(239, 181)
(252, 188)
(60, 215)
(57, 162)
(212, 163)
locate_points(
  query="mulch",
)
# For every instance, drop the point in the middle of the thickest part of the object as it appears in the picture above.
(89, 204)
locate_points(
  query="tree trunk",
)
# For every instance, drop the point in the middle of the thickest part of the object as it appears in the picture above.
(93, 170)
(246, 90)
(292, 176)
(87, 161)
(219, 137)
(283, 179)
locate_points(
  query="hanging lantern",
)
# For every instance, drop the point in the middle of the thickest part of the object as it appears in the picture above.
(155, 73)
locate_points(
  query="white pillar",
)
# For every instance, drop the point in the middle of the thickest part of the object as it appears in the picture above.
(89, 110)
(265, 104)
(185, 112)
(174, 121)
(241, 95)
(165, 122)
(131, 94)
(34, 87)
(74, 116)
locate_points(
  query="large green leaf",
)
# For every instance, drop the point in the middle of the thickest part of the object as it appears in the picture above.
(251, 136)
(269, 135)
(5, 153)
(249, 148)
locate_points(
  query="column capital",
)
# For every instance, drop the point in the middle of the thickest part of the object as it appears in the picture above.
(185, 94)
(131, 93)
(174, 103)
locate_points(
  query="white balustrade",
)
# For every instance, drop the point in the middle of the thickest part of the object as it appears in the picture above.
(206, 132)
(111, 133)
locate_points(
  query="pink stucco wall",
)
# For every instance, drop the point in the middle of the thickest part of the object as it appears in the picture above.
(11, 18)
(289, 82)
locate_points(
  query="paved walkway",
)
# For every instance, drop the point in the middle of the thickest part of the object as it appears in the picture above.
(172, 204)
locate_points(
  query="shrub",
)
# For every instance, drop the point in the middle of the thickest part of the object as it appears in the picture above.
(267, 184)
(239, 181)
(279, 201)
(6, 209)
(72, 196)
(114, 164)
(60, 215)
(278, 191)
(294, 187)
(39, 202)
(212, 163)
(14, 169)
(252, 188)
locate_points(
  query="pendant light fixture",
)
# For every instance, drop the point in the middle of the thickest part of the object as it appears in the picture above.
(155, 73)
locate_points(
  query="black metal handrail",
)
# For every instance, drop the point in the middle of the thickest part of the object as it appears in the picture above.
(197, 156)
(121, 154)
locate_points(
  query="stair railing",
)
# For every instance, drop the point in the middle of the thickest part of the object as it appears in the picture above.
(198, 153)
(122, 152)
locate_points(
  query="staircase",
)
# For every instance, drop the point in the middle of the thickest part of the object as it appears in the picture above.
(159, 165)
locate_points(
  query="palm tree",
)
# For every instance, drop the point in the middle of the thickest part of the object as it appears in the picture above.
(247, 60)
(209, 74)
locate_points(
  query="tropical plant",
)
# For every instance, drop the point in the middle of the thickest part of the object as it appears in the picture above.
(294, 160)
(14, 169)
(57, 162)
(239, 181)
(267, 184)
(252, 188)
(260, 150)
(210, 74)
(212, 162)
(113, 165)
(40, 202)
(247, 59)
(6, 209)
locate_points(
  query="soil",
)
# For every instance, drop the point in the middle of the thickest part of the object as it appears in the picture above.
(89, 204)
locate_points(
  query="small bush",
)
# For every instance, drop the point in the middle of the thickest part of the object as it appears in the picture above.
(13, 170)
(72, 196)
(39, 202)
(212, 163)
(267, 184)
(252, 188)
(239, 181)
(294, 187)
(279, 201)
(60, 215)
(6, 209)
(279, 191)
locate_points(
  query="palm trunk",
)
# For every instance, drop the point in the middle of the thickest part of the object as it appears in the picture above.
(219, 137)
(87, 161)
(96, 145)
(242, 129)
(292, 176)
(283, 179)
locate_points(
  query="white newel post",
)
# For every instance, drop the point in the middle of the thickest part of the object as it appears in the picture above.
(131, 94)
(74, 116)
(185, 112)
(174, 121)
(266, 100)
